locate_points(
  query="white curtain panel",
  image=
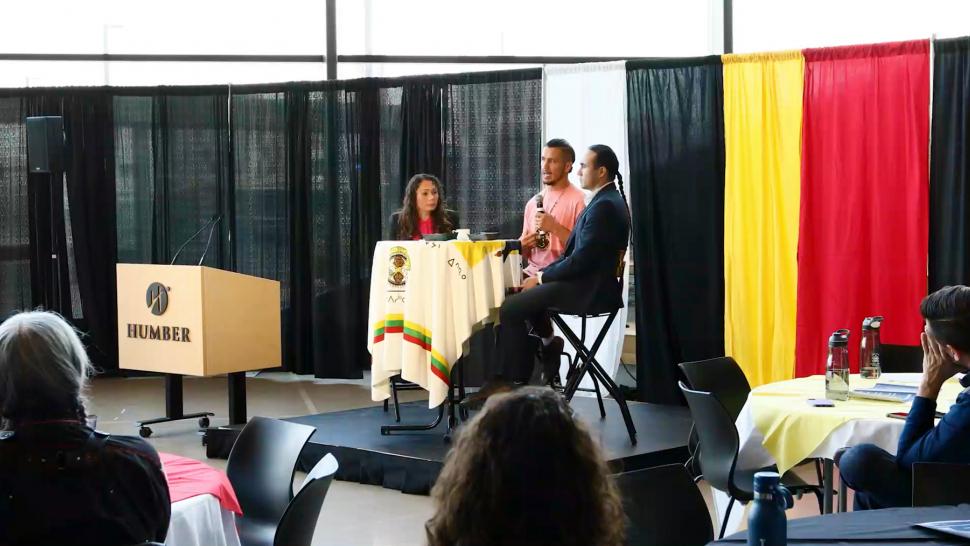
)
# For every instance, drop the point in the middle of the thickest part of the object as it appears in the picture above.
(586, 105)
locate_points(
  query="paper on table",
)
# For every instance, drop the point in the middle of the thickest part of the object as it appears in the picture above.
(960, 528)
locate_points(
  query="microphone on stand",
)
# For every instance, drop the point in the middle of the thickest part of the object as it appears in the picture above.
(209, 242)
(542, 238)
(193, 236)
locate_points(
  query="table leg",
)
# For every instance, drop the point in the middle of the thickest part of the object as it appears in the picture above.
(827, 471)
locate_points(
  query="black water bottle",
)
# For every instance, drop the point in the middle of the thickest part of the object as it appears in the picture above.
(767, 524)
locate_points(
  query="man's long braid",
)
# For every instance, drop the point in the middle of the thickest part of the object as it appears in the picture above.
(619, 184)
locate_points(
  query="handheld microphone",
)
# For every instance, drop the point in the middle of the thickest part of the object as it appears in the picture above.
(542, 238)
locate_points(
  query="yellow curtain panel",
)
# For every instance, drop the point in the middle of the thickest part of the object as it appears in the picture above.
(762, 140)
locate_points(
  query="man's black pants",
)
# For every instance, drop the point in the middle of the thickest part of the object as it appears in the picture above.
(518, 314)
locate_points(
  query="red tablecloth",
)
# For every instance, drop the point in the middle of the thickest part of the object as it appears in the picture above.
(189, 478)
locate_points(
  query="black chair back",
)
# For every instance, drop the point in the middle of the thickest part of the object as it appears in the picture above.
(723, 378)
(938, 484)
(664, 508)
(300, 519)
(718, 437)
(901, 358)
(262, 464)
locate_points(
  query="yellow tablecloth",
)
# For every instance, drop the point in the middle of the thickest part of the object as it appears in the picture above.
(426, 300)
(793, 429)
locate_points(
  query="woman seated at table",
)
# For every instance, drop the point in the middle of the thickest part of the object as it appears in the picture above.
(60, 481)
(423, 211)
(525, 471)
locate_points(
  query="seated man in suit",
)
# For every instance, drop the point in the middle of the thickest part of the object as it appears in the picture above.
(584, 275)
(881, 480)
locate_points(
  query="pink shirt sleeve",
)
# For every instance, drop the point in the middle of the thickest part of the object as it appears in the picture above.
(527, 220)
(530, 212)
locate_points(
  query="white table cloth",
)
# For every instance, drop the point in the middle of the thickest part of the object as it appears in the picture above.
(201, 521)
(426, 300)
(882, 432)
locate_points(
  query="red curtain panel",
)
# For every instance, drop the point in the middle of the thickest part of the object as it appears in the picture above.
(864, 208)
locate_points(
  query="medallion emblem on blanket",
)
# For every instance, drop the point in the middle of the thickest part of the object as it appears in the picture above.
(398, 267)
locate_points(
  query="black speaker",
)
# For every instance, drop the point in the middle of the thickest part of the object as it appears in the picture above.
(45, 144)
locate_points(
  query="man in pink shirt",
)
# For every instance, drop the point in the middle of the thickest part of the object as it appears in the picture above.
(562, 202)
(544, 234)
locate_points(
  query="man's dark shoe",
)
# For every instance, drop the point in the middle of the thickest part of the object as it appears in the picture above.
(475, 401)
(551, 359)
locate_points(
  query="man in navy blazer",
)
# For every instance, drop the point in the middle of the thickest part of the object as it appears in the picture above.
(881, 480)
(582, 280)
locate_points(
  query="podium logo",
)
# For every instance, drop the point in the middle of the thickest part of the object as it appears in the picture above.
(156, 298)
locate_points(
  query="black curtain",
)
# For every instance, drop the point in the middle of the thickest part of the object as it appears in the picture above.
(676, 148)
(82, 215)
(89, 129)
(15, 249)
(309, 164)
(298, 316)
(51, 279)
(173, 177)
(949, 256)
(134, 160)
(301, 186)
(302, 175)
(493, 143)
(192, 178)
(392, 141)
(341, 186)
(422, 134)
(261, 216)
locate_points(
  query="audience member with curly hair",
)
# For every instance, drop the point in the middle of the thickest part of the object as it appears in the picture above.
(525, 471)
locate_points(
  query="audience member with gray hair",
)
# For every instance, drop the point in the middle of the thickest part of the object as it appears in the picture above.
(61, 482)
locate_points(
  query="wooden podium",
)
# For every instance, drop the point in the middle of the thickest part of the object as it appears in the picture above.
(195, 320)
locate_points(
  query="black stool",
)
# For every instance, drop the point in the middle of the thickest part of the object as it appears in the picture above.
(572, 365)
(398, 384)
(588, 363)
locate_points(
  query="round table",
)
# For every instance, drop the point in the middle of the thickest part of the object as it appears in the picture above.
(204, 505)
(426, 300)
(778, 427)
(872, 527)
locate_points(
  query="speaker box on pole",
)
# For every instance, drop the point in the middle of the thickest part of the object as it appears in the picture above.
(45, 144)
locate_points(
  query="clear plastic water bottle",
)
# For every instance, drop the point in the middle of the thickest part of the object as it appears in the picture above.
(869, 347)
(767, 524)
(837, 366)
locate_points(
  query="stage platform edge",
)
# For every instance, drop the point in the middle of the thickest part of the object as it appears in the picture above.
(410, 462)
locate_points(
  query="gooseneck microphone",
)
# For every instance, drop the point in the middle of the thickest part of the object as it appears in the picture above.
(193, 236)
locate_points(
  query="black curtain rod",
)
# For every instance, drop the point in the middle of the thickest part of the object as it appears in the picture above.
(422, 59)
(98, 57)
(464, 78)
(475, 59)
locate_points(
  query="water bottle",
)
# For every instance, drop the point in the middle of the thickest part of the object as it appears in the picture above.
(869, 366)
(767, 525)
(837, 366)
